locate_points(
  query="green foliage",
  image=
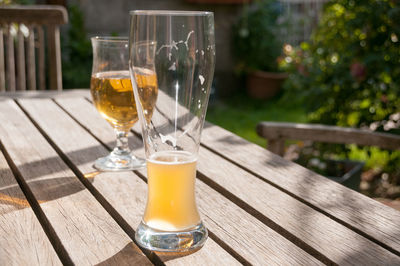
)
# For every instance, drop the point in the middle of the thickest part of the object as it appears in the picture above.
(348, 74)
(17, 2)
(76, 52)
(255, 43)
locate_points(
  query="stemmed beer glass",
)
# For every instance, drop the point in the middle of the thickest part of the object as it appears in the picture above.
(176, 51)
(112, 94)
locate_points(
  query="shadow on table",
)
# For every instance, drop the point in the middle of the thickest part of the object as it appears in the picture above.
(44, 190)
(36, 175)
(233, 140)
(38, 168)
(125, 257)
(166, 256)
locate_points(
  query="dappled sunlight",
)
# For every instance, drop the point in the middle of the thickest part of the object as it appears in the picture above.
(233, 141)
(344, 203)
(17, 202)
(12, 199)
(128, 255)
(91, 174)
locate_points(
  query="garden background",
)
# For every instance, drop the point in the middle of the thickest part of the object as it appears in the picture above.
(342, 58)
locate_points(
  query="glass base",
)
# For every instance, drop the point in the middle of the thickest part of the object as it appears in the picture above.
(114, 162)
(176, 241)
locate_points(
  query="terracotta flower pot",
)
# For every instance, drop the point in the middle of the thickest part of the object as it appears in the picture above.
(264, 85)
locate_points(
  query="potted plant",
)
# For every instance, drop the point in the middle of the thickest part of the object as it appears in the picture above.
(257, 46)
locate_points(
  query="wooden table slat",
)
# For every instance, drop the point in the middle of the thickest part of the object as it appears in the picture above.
(86, 231)
(306, 224)
(22, 239)
(370, 218)
(125, 191)
(260, 208)
(265, 247)
(286, 212)
(44, 94)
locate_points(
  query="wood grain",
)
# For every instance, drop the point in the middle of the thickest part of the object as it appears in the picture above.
(41, 59)
(309, 227)
(87, 232)
(10, 61)
(220, 215)
(234, 147)
(34, 14)
(21, 76)
(45, 94)
(329, 134)
(30, 59)
(356, 211)
(49, 17)
(54, 57)
(276, 146)
(22, 239)
(2, 66)
(124, 191)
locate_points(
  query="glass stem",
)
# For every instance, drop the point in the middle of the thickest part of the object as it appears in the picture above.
(122, 147)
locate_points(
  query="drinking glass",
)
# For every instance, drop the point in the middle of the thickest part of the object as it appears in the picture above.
(174, 51)
(112, 94)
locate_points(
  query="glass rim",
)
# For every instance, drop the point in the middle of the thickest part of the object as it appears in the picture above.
(170, 13)
(110, 38)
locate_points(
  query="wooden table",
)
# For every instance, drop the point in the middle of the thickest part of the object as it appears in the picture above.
(259, 208)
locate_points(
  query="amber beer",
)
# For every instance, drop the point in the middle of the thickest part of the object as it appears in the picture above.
(171, 204)
(113, 96)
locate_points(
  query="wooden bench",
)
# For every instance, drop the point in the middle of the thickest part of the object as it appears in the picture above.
(23, 29)
(277, 132)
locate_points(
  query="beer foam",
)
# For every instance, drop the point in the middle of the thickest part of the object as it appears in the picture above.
(172, 157)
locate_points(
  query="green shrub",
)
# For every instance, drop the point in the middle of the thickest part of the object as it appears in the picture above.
(255, 42)
(348, 74)
(76, 52)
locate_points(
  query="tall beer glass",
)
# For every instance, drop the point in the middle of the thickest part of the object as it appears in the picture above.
(176, 49)
(112, 94)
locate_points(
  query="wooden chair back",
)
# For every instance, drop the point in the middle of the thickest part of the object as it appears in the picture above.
(277, 132)
(27, 35)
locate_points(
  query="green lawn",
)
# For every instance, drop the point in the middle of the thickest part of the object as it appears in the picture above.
(240, 114)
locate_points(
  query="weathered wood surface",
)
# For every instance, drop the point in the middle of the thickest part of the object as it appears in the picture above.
(21, 77)
(127, 192)
(54, 57)
(10, 59)
(260, 209)
(34, 14)
(30, 59)
(83, 231)
(22, 239)
(28, 17)
(269, 246)
(276, 146)
(354, 210)
(2, 66)
(41, 59)
(323, 133)
(307, 227)
(45, 94)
